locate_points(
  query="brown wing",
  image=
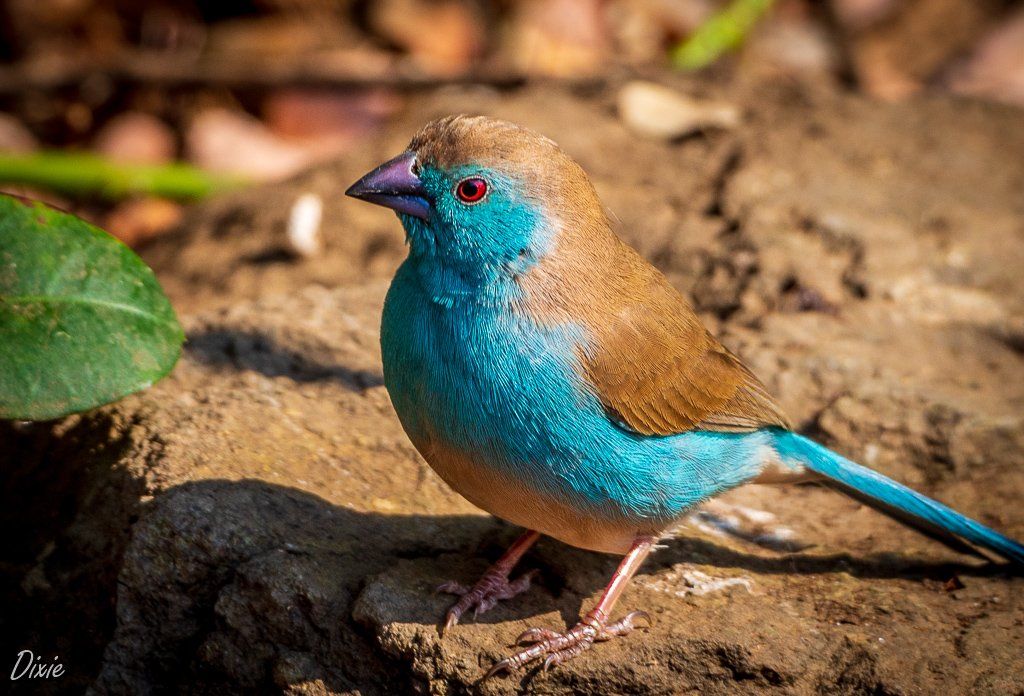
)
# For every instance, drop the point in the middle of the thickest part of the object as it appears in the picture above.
(649, 358)
(655, 367)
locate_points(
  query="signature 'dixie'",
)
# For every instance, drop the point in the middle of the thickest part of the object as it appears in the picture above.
(28, 665)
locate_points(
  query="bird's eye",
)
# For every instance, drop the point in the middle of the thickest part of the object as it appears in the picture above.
(471, 190)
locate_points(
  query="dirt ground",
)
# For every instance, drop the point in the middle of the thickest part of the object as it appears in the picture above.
(258, 520)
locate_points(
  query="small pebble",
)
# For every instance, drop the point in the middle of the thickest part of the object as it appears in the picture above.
(655, 111)
(303, 232)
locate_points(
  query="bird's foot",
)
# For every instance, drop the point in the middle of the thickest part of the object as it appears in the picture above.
(492, 587)
(557, 648)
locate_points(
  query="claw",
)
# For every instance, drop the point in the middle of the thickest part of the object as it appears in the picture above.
(483, 596)
(451, 618)
(557, 648)
(639, 614)
(535, 635)
(496, 669)
(484, 605)
(549, 662)
(628, 622)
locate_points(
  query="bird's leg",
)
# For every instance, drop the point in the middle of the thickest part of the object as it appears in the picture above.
(493, 586)
(556, 648)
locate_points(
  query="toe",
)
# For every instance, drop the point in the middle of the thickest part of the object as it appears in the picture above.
(485, 595)
(520, 584)
(550, 661)
(535, 635)
(627, 623)
(485, 604)
(452, 587)
(497, 668)
(557, 648)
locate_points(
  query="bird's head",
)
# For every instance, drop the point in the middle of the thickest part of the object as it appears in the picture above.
(482, 198)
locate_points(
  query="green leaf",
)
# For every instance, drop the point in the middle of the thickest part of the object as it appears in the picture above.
(722, 32)
(85, 174)
(83, 320)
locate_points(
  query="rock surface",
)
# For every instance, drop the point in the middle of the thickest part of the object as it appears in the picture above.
(258, 520)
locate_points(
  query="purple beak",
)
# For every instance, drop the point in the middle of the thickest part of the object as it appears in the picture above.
(394, 185)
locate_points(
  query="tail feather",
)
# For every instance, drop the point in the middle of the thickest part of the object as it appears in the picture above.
(904, 504)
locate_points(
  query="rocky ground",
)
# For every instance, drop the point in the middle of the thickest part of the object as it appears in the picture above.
(258, 520)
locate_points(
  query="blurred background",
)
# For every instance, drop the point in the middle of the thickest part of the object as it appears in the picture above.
(260, 89)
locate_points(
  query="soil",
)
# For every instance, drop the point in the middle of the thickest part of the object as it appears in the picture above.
(259, 521)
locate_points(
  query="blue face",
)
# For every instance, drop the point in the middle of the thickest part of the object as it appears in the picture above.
(480, 225)
(472, 230)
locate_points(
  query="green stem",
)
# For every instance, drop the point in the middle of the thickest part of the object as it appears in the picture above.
(723, 31)
(79, 174)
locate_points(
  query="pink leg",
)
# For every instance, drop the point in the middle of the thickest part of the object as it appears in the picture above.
(559, 647)
(493, 586)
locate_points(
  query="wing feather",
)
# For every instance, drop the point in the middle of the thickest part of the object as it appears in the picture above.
(648, 358)
(658, 371)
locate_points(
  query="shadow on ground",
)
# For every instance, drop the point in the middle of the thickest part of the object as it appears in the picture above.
(233, 585)
(260, 352)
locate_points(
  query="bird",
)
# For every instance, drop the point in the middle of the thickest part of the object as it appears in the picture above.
(554, 378)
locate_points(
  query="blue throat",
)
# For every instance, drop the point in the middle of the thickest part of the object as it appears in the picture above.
(473, 253)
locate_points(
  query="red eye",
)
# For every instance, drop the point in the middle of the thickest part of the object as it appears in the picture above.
(471, 190)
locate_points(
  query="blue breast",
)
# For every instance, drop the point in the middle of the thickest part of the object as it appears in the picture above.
(485, 378)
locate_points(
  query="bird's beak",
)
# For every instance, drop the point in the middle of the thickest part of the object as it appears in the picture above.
(394, 185)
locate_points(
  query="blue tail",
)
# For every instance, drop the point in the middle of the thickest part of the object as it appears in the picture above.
(921, 512)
